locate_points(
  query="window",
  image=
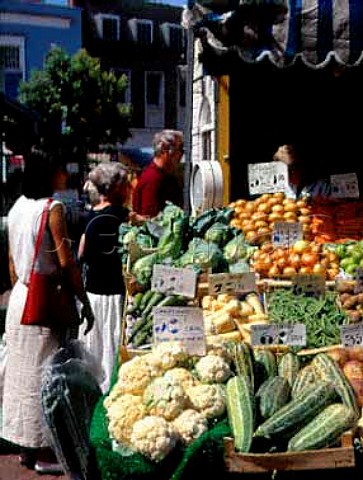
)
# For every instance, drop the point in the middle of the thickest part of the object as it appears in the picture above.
(127, 92)
(154, 99)
(141, 31)
(12, 63)
(173, 36)
(206, 130)
(108, 26)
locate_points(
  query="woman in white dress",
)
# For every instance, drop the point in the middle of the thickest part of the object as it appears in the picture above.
(30, 347)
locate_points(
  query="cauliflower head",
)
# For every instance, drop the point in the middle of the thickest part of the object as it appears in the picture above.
(154, 437)
(210, 400)
(122, 415)
(165, 397)
(212, 369)
(190, 424)
(114, 394)
(221, 350)
(135, 375)
(182, 376)
(167, 355)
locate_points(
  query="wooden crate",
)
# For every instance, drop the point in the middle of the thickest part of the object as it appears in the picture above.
(324, 459)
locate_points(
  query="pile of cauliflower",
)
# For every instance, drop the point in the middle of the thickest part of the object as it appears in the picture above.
(157, 401)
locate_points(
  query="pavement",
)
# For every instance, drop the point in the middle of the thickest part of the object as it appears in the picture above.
(10, 469)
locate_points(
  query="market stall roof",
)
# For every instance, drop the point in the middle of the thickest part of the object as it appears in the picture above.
(315, 31)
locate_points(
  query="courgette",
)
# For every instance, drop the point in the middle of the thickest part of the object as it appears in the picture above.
(240, 411)
(328, 369)
(325, 429)
(244, 360)
(305, 377)
(298, 411)
(288, 367)
(272, 395)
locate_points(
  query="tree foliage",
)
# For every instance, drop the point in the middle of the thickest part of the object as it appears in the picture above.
(79, 103)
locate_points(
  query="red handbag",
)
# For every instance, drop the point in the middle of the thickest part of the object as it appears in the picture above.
(49, 301)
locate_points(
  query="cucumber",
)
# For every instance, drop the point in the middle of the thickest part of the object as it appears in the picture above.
(305, 377)
(138, 325)
(272, 395)
(145, 299)
(240, 411)
(299, 410)
(173, 301)
(328, 369)
(144, 335)
(154, 300)
(288, 367)
(325, 429)
(133, 308)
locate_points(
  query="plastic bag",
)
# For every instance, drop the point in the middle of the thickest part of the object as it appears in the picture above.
(70, 391)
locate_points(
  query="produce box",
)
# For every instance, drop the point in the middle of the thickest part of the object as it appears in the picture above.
(323, 459)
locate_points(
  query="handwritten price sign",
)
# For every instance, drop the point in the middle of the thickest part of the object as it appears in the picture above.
(344, 185)
(311, 285)
(231, 283)
(174, 281)
(286, 234)
(267, 177)
(182, 324)
(274, 334)
(352, 335)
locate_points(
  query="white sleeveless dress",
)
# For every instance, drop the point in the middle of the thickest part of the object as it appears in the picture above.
(29, 347)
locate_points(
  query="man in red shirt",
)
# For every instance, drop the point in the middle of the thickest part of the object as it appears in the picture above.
(158, 183)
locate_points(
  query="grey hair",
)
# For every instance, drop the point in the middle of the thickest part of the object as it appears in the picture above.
(106, 175)
(166, 140)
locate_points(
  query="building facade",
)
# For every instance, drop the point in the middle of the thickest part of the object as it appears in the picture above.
(145, 42)
(27, 31)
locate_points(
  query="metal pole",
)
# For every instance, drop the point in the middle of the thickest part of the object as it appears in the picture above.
(189, 116)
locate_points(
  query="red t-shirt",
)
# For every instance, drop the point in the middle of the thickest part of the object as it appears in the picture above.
(153, 189)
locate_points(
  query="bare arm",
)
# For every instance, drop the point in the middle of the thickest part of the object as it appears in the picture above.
(81, 246)
(13, 276)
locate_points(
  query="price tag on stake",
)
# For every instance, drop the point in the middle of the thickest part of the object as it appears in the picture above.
(174, 281)
(351, 335)
(267, 177)
(231, 283)
(182, 324)
(344, 185)
(311, 285)
(274, 334)
(286, 234)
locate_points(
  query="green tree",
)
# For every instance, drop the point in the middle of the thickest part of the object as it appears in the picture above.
(79, 103)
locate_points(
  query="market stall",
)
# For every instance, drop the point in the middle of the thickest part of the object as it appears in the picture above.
(217, 349)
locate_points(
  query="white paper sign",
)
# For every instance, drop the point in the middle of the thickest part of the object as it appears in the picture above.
(268, 177)
(286, 234)
(344, 185)
(182, 324)
(351, 335)
(231, 283)
(311, 285)
(174, 281)
(274, 334)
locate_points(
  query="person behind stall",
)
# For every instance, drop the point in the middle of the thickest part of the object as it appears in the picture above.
(98, 251)
(302, 181)
(30, 347)
(158, 182)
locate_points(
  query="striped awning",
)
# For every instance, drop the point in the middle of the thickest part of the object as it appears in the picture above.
(314, 31)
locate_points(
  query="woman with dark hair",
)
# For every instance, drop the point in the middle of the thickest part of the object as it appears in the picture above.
(103, 268)
(31, 347)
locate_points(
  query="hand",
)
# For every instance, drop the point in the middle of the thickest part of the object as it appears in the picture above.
(87, 314)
